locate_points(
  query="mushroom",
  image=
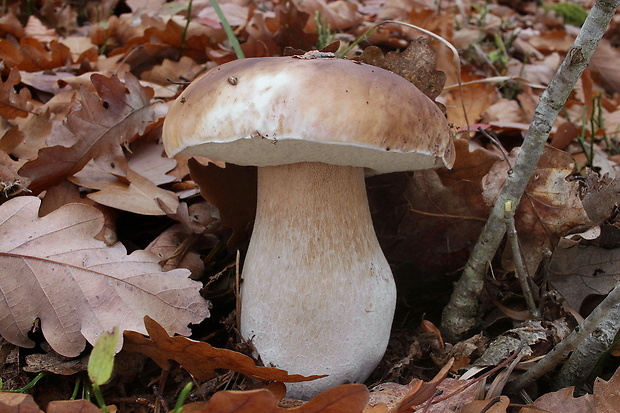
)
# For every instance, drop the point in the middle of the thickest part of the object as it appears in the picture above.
(317, 294)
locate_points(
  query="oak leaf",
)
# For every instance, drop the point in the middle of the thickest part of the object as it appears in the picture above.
(52, 269)
(103, 122)
(199, 358)
(14, 104)
(346, 398)
(550, 207)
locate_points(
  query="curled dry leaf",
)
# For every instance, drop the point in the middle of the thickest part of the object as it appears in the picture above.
(52, 269)
(199, 358)
(346, 398)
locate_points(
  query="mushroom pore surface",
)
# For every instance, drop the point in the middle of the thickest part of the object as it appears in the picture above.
(318, 295)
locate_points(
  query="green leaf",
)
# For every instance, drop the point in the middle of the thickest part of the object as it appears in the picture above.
(101, 361)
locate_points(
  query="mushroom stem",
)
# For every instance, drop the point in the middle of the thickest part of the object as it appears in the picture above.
(318, 295)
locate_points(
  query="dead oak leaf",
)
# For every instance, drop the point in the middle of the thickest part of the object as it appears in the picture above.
(416, 64)
(200, 359)
(14, 104)
(102, 123)
(550, 207)
(138, 190)
(346, 398)
(31, 55)
(140, 196)
(52, 268)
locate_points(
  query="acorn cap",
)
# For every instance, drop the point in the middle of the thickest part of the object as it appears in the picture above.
(282, 110)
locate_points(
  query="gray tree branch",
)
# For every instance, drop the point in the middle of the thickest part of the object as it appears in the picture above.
(607, 310)
(459, 316)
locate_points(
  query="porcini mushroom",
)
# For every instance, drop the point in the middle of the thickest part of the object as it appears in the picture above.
(317, 294)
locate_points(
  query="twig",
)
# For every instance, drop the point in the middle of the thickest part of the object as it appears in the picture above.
(521, 269)
(609, 306)
(582, 362)
(459, 316)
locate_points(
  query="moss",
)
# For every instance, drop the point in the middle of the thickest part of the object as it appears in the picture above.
(572, 13)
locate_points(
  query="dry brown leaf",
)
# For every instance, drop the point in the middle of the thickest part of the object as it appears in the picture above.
(433, 217)
(36, 29)
(477, 97)
(199, 358)
(336, 15)
(346, 398)
(9, 24)
(421, 391)
(138, 190)
(14, 104)
(31, 55)
(604, 64)
(101, 124)
(18, 403)
(72, 406)
(416, 64)
(552, 41)
(562, 401)
(449, 395)
(496, 405)
(607, 394)
(79, 287)
(583, 270)
(141, 196)
(232, 190)
(550, 207)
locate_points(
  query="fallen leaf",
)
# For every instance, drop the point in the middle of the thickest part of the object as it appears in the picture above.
(32, 56)
(562, 401)
(14, 104)
(140, 196)
(604, 64)
(551, 205)
(36, 29)
(607, 394)
(431, 219)
(416, 64)
(496, 405)
(476, 97)
(79, 287)
(346, 398)
(232, 190)
(199, 358)
(72, 406)
(582, 270)
(102, 123)
(18, 403)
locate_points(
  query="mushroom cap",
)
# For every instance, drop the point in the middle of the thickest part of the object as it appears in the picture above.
(282, 110)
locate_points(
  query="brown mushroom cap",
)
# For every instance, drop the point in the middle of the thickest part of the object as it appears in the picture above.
(282, 110)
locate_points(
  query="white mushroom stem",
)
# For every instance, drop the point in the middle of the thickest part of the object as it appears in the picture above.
(318, 295)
